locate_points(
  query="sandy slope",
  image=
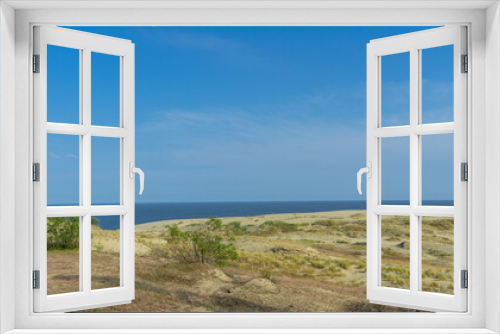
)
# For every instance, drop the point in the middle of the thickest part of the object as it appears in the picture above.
(297, 218)
(308, 262)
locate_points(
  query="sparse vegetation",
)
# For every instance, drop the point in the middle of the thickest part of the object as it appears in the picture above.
(271, 227)
(283, 264)
(210, 243)
(63, 233)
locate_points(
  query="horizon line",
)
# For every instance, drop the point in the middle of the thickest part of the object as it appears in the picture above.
(250, 201)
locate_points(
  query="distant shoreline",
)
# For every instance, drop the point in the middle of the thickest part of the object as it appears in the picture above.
(248, 220)
(153, 212)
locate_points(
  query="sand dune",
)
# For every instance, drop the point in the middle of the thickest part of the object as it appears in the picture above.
(285, 262)
(296, 218)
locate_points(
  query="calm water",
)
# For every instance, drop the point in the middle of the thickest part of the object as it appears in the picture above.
(150, 212)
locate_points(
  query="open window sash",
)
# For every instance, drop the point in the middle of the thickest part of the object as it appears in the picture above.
(415, 297)
(85, 297)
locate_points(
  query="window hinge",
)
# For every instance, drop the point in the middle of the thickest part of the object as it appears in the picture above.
(465, 279)
(36, 172)
(36, 63)
(465, 64)
(464, 171)
(36, 279)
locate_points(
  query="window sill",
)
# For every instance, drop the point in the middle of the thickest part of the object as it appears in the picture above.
(251, 331)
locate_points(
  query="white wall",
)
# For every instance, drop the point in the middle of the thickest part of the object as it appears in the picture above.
(492, 162)
(7, 168)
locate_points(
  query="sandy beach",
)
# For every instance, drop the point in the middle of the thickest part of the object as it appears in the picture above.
(297, 218)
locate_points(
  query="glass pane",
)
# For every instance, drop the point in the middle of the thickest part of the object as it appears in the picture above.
(105, 90)
(395, 169)
(437, 169)
(395, 252)
(63, 256)
(63, 85)
(105, 254)
(437, 84)
(395, 90)
(437, 254)
(105, 170)
(63, 169)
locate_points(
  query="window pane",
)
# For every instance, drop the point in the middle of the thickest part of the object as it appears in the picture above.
(63, 255)
(63, 169)
(395, 94)
(105, 254)
(395, 169)
(395, 252)
(105, 170)
(437, 254)
(437, 169)
(63, 85)
(105, 90)
(437, 84)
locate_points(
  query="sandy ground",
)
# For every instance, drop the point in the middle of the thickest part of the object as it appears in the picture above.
(309, 262)
(297, 218)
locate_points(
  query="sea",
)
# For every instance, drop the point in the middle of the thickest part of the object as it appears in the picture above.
(151, 212)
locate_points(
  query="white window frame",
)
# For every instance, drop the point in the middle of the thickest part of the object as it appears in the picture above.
(414, 44)
(482, 19)
(86, 44)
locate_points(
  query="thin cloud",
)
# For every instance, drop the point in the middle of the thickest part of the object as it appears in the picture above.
(283, 118)
(250, 137)
(232, 51)
(323, 99)
(72, 156)
(395, 93)
(53, 155)
(301, 147)
(193, 40)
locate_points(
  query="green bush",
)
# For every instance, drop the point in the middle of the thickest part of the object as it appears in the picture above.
(274, 227)
(63, 233)
(204, 245)
(237, 229)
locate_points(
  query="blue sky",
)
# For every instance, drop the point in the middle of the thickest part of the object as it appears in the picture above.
(249, 114)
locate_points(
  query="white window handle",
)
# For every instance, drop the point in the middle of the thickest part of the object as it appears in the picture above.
(368, 171)
(139, 171)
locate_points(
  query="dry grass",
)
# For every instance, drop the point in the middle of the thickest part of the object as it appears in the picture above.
(63, 273)
(285, 265)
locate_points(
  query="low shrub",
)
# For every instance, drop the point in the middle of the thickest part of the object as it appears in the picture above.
(273, 227)
(63, 233)
(204, 245)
